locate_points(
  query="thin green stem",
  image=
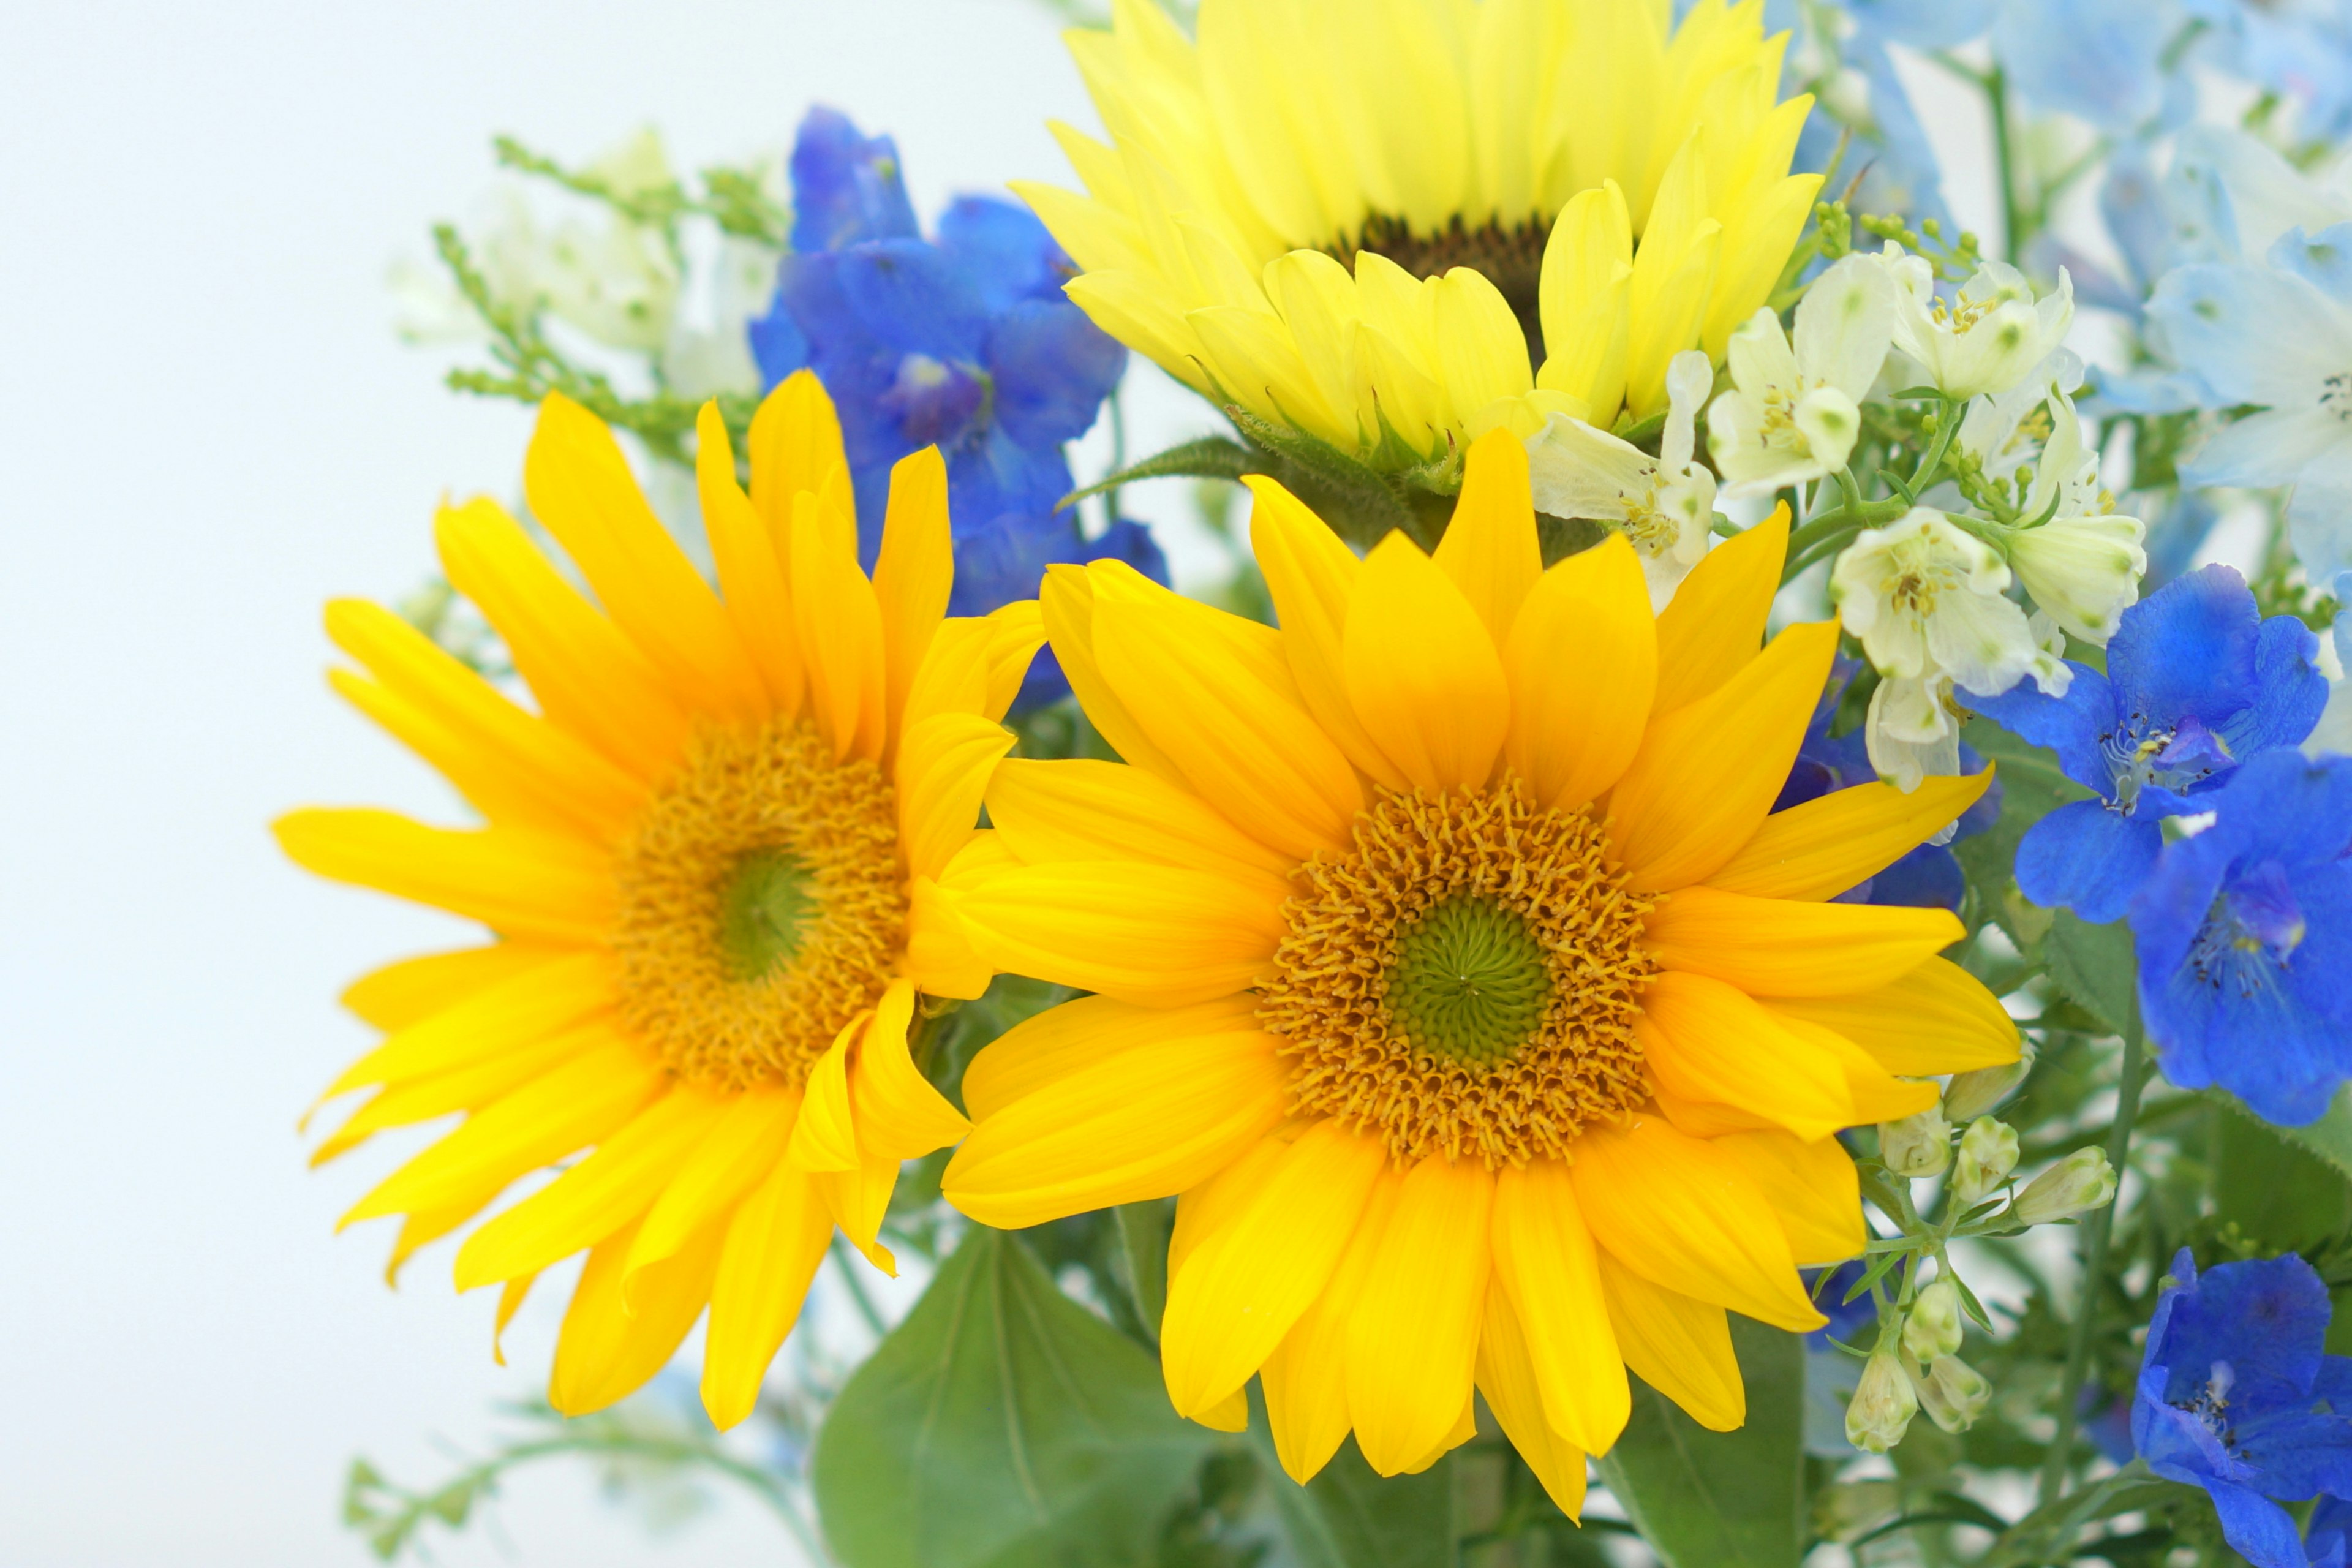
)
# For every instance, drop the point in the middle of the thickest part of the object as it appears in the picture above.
(2013, 235)
(2097, 1229)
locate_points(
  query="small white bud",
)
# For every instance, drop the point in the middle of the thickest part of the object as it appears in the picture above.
(1918, 1145)
(1972, 1094)
(1953, 1393)
(1883, 1404)
(1933, 1329)
(2081, 1181)
(1988, 1154)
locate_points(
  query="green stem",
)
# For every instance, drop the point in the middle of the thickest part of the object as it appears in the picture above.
(2098, 1228)
(2012, 237)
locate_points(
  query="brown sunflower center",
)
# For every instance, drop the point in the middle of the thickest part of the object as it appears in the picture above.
(1509, 255)
(1465, 979)
(762, 905)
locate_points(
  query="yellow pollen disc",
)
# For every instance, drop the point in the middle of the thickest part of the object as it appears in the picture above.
(762, 905)
(1501, 928)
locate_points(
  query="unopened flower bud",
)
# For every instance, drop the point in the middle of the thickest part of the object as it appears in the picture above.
(1917, 1145)
(2079, 1183)
(1953, 1393)
(1933, 1329)
(1988, 1154)
(1971, 1094)
(1883, 1404)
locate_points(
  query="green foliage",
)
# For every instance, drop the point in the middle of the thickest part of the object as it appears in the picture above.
(1347, 1517)
(2095, 967)
(1003, 1424)
(1710, 1500)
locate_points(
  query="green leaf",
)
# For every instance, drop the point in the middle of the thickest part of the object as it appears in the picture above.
(2330, 1137)
(1349, 1517)
(2031, 787)
(1143, 1257)
(1354, 500)
(2274, 1187)
(1001, 1426)
(1721, 1499)
(2095, 966)
(1210, 458)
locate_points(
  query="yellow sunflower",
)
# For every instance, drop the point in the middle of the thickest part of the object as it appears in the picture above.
(1395, 227)
(1452, 969)
(707, 870)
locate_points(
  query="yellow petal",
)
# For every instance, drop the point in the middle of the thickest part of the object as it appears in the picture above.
(1877, 1094)
(1087, 810)
(1412, 1337)
(1716, 623)
(1434, 701)
(1825, 846)
(773, 1244)
(414, 989)
(1812, 1189)
(1545, 1266)
(899, 1115)
(1583, 667)
(795, 445)
(1585, 295)
(1306, 1379)
(1482, 349)
(582, 491)
(1204, 1210)
(518, 1010)
(469, 1086)
(1132, 1125)
(609, 1189)
(1683, 1216)
(1242, 1286)
(1066, 601)
(1705, 1040)
(736, 1155)
(1489, 550)
(1310, 576)
(1155, 935)
(750, 569)
(857, 1200)
(1782, 947)
(1507, 1376)
(517, 883)
(1016, 632)
(1226, 712)
(825, 1135)
(839, 623)
(944, 764)
(1043, 1049)
(1939, 1018)
(1707, 774)
(588, 678)
(939, 957)
(610, 1348)
(423, 1228)
(915, 571)
(510, 1299)
(1679, 1346)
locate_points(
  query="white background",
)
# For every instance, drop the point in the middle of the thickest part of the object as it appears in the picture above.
(206, 427)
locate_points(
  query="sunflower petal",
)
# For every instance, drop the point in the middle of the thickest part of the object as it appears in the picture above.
(1489, 548)
(839, 623)
(1049, 1046)
(1155, 935)
(1812, 1189)
(1507, 1376)
(944, 764)
(899, 1115)
(751, 570)
(1085, 810)
(1679, 1346)
(916, 569)
(1583, 665)
(1436, 702)
(1306, 1379)
(411, 990)
(1704, 1040)
(517, 883)
(1939, 1018)
(518, 1010)
(609, 1348)
(1426, 1289)
(1066, 601)
(736, 1155)
(773, 1244)
(1784, 947)
(1545, 1263)
(1825, 846)
(795, 445)
(1716, 624)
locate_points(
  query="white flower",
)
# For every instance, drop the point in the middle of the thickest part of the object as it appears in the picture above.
(2083, 565)
(1991, 338)
(1927, 597)
(1910, 734)
(1988, 1154)
(1918, 1145)
(1953, 1393)
(705, 361)
(618, 284)
(1793, 414)
(1999, 431)
(1664, 505)
(1883, 1404)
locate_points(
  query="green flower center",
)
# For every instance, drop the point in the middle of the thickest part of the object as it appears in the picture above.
(765, 909)
(1470, 983)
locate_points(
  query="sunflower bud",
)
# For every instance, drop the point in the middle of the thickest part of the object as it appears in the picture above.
(1918, 1145)
(1933, 1329)
(1971, 1094)
(1953, 1393)
(1988, 1154)
(2079, 1183)
(1883, 1404)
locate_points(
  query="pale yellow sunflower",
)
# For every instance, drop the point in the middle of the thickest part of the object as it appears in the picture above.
(1394, 225)
(1452, 968)
(707, 872)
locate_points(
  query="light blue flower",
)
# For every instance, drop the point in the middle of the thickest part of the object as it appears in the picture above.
(2100, 60)
(2301, 49)
(2236, 1397)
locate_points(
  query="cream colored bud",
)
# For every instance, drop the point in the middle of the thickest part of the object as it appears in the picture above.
(1988, 1154)
(1883, 1404)
(1953, 1393)
(1971, 1094)
(1933, 1329)
(1917, 1145)
(2081, 1181)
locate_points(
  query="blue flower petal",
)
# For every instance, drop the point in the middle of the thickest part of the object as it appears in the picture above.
(2266, 1318)
(2069, 725)
(2100, 59)
(1052, 369)
(2236, 327)
(2256, 1528)
(846, 188)
(1927, 878)
(2319, 517)
(1004, 250)
(778, 345)
(2188, 651)
(2323, 259)
(2324, 1535)
(2130, 200)
(904, 294)
(1923, 23)
(2088, 859)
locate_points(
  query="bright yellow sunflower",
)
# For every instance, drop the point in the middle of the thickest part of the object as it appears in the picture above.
(1395, 226)
(707, 870)
(1453, 970)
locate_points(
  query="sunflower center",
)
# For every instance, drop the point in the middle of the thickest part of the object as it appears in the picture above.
(762, 905)
(1464, 979)
(1510, 256)
(1470, 981)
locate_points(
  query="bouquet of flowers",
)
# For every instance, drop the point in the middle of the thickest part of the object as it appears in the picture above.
(1751, 848)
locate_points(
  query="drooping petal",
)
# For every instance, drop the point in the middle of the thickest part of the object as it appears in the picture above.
(1306, 1379)
(1547, 1268)
(1582, 662)
(1705, 1040)
(899, 1115)
(1507, 1377)
(773, 1244)
(1812, 1189)
(610, 1348)
(1677, 1345)
(1426, 1289)
(825, 1134)
(1436, 702)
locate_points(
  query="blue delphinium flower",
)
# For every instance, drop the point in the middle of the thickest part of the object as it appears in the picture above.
(2244, 936)
(2324, 1536)
(2197, 683)
(2301, 49)
(963, 342)
(2235, 1397)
